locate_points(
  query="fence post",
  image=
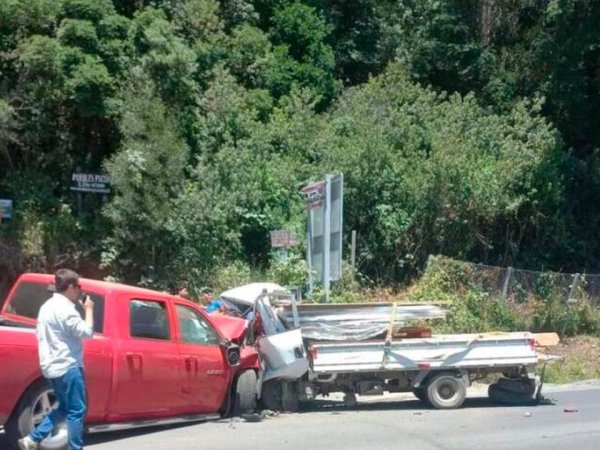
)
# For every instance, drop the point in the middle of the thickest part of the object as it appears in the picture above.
(509, 271)
(572, 300)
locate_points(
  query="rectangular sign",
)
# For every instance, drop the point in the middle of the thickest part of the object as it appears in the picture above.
(283, 239)
(90, 182)
(6, 209)
(315, 194)
(325, 200)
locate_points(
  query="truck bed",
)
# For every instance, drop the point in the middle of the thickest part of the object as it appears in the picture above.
(456, 351)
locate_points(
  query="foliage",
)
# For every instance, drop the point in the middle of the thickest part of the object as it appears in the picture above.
(229, 276)
(147, 174)
(291, 272)
(467, 128)
(421, 173)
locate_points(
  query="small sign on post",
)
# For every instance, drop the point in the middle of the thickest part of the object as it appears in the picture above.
(90, 182)
(6, 209)
(281, 241)
(315, 194)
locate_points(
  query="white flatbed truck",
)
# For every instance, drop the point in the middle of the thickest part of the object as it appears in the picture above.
(437, 369)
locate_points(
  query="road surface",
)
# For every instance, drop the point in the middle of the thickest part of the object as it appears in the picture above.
(389, 422)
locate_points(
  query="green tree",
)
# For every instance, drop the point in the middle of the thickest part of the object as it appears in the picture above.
(301, 53)
(422, 173)
(147, 174)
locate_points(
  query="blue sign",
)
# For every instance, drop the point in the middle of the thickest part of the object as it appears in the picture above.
(6, 209)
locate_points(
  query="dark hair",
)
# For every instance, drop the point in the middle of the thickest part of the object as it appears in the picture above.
(63, 278)
(206, 290)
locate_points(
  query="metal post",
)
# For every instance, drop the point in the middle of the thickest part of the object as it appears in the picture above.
(327, 237)
(295, 315)
(353, 252)
(573, 292)
(509, 272)
(309, 253)
(341, 241)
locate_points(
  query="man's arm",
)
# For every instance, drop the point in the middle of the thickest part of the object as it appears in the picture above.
(88, 307)
(82, 328)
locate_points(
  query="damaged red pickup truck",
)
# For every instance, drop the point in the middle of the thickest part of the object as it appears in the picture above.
(154, 358)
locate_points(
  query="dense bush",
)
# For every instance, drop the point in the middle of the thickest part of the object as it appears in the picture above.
(462, 128)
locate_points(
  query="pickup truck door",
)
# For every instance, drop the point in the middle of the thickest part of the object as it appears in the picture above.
(282, 351)
(147, 368)
(204, 370)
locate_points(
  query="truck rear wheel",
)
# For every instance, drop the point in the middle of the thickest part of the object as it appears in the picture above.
(421, 394)
(446, 391)
(245, 393)
(36, 404)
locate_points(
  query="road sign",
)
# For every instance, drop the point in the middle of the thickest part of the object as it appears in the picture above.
(6, 209)
(90, 182)
(283, 239)
(315, 194)
(324, 202)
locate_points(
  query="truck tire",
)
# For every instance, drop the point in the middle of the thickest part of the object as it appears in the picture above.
(497, 394)
(446, 391)
(421, 394)
(270, 397)
(245, 393)
(525, 386)
(35, 404)
(289, 397)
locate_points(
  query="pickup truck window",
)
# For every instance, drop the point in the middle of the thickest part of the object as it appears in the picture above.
(194, 328)
(148, 319)
(29, 298)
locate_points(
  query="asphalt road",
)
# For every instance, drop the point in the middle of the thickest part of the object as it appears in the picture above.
(391, 422)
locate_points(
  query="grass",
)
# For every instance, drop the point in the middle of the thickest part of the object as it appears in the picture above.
(581, 360)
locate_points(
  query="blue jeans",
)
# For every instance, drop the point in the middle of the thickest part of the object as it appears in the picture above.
(70, 392)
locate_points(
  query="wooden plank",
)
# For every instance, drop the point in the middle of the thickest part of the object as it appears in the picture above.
(546, 339)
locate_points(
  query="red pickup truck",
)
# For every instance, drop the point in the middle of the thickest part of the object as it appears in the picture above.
(153, 358)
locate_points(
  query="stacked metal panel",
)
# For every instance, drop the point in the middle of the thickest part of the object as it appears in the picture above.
(340, 322)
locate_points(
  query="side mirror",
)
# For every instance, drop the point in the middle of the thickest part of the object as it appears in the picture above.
(225, 343)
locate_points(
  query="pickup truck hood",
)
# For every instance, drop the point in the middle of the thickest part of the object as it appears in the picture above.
(232, 328)
(248, 293)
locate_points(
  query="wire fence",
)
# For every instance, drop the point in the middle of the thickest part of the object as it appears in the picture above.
(518, 285)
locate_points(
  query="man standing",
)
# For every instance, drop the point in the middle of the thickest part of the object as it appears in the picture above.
(60, 333)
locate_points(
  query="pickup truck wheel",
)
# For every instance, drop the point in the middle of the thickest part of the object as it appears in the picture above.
(37, 402)
(245, 393)
(446, 391)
